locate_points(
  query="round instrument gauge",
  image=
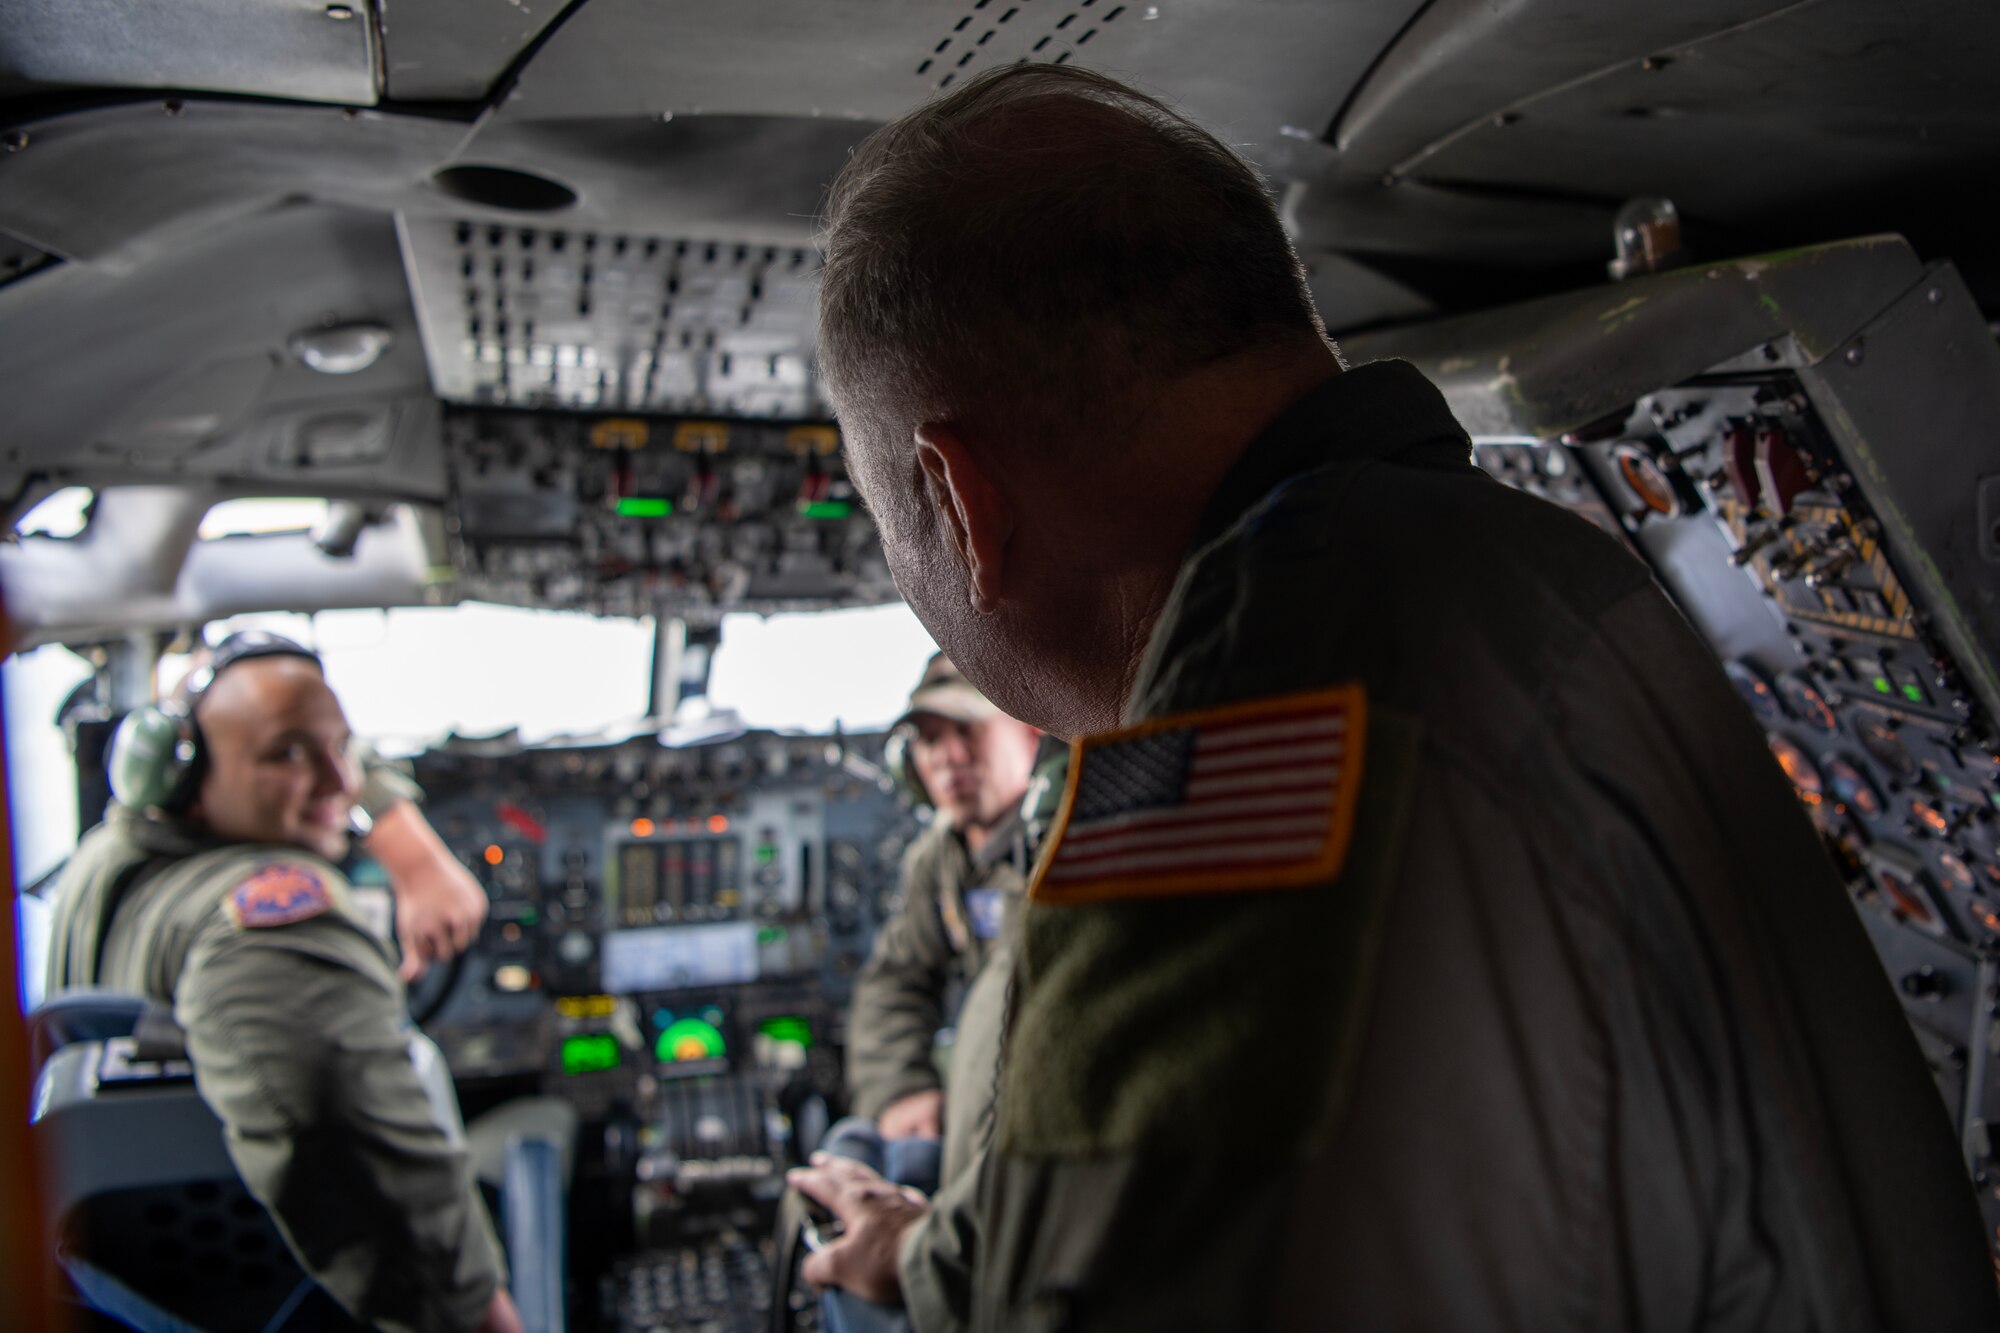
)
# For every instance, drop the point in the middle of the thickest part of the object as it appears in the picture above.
(1886, 748)
(1909, 899)
(1955, 873)
(1931, 818)
(1983, 912)
(1799, 768)
(1648, 484)
(1756, 691)
(1851, 787)
(1807, 703)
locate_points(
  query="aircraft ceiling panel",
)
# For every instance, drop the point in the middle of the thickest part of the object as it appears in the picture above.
(1248, 68)
(1463, 61)
(752, 178)
(1840, 100)
(567, 317)
(181, 369)
(273, 48)
(18, 258)
(116, 184)
(455, 50)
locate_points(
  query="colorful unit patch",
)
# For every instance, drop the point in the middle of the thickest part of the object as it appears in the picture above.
(1252, 796)
(278, 895)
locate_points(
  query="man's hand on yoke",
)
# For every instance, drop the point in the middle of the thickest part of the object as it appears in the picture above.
(875, 1215)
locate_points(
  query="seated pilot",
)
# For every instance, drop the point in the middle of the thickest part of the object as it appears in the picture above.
(961, 882)
(211, 887)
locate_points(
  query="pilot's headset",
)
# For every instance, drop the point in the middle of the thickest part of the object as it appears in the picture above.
(942, 691)
(158, 756)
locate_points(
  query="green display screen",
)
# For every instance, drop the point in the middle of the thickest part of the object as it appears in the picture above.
(645, 506)
(796, 1031)
(689, 1039)
(590, 1053)
(827, 509)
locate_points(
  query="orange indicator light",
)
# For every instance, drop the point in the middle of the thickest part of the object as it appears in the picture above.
(718, 823)
(494, 856)
(642, 827)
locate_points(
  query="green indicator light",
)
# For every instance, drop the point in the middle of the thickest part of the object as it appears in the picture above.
(827, 509)
(1882, 685)
(530, 917)
(766, 854)
(1914, 693)
(689, 1039)
(772, 935)
(590, 1054)
(788, 1029)
(645, 506)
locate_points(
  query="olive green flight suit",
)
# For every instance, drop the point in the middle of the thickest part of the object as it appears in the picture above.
(942, 937)
(302, 1047)
(1583, 1033)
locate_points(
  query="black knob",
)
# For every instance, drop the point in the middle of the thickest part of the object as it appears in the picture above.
(1926, 983)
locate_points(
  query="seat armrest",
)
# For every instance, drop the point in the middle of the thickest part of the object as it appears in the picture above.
(83, 1015)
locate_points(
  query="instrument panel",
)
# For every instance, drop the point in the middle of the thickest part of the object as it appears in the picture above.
(759, 863)
(1744, 502)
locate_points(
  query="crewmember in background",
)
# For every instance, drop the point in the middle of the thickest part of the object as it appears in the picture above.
(211, 888)
(1427, 940)
(962, 883)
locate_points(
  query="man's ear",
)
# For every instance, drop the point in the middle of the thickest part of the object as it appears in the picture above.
(977, 517)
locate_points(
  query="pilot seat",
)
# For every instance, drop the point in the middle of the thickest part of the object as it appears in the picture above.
(152, 1226)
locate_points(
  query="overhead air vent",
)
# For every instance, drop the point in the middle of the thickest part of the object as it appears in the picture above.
(1003, 32)
(504, 187)
(542, 317)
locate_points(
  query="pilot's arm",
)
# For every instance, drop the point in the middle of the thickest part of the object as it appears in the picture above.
(899, 999)
(439, 905)
(295, 1022)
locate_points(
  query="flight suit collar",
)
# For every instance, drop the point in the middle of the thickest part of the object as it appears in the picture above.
(1377, 411)
(161, 836)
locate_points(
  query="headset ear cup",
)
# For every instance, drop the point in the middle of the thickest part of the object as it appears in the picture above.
(154, 760)
(896, 758)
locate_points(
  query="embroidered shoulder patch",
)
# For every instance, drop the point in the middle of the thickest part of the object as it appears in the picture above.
(1252, 796)
(278, 895)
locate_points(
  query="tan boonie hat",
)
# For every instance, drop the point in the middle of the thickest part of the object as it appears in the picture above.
(947, 694)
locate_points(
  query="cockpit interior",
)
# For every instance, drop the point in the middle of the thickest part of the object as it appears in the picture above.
(451, 309)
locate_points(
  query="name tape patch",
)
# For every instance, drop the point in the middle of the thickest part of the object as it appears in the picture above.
(278, 895)
(1252, 796)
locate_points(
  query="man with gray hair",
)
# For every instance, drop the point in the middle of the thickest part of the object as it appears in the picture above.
(1426, 939)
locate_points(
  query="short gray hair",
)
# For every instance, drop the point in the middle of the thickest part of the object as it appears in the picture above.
(1035, 239)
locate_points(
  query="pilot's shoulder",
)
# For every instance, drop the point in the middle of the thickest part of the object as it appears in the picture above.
(280, 891)
(1214, 876)
(1241, 797)
(259, 887)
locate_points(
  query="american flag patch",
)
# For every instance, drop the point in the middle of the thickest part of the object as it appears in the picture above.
(1254, 796)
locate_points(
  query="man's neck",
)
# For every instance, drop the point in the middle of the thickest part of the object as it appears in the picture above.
(1176, 451)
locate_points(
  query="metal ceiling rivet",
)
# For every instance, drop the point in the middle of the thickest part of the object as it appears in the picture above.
(340, 13)
(1935, 295)
(1654, 63)
(14, 141)
(1506, 118)
(1854, 355)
